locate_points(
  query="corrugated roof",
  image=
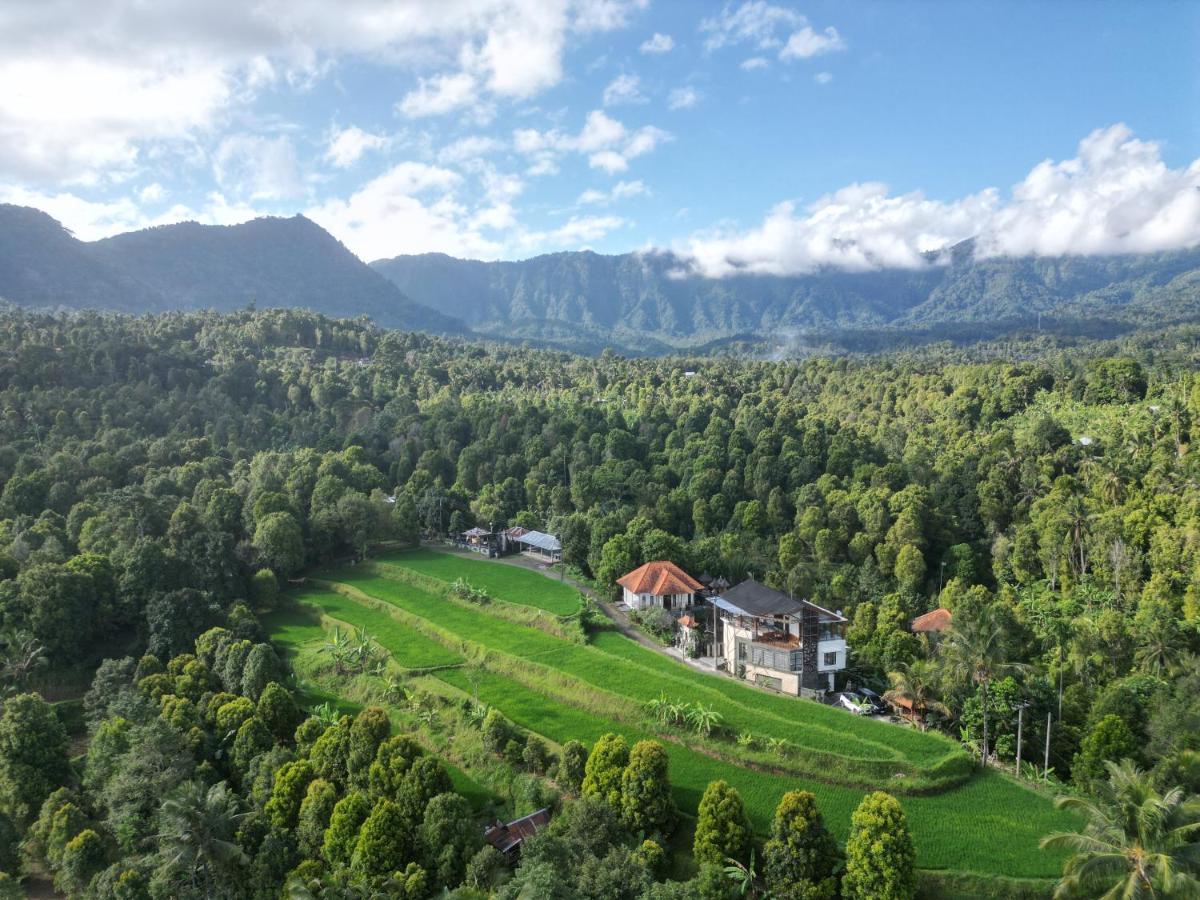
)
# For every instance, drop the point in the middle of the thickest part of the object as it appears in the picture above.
(506, 838)
(659, 578)
(540, 540)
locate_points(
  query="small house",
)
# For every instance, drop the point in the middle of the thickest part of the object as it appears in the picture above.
(507, 838)
(659, 585)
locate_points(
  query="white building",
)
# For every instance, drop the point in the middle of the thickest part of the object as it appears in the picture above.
(775, 640)
(660, 584)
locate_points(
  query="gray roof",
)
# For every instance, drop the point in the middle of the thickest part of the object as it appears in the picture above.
(753, 599)
(540, 540)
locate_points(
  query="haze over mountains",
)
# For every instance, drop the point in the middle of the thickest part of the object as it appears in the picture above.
(581, 300)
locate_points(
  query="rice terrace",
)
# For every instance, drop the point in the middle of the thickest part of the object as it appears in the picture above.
(516, 653)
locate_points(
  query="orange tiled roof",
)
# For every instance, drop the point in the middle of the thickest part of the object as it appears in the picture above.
(660, 578)
(937, 620)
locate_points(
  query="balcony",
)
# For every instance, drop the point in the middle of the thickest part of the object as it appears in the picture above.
(781, 655)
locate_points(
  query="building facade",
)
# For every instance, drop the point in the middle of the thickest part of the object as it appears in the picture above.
(659, 585)
(774, 640)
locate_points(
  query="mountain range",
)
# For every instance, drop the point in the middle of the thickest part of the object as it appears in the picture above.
(634, 302)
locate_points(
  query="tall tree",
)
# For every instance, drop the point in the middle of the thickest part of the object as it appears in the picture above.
(723, 829)
(880, 860)
(801, 860)
(1137, 842)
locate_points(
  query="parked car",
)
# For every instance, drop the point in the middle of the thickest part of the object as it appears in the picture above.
(853, 702)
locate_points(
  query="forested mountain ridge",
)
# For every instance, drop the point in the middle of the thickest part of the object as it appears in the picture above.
(640, 299)
(272, 262)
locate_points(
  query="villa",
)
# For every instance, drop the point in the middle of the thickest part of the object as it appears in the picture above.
(772, 639)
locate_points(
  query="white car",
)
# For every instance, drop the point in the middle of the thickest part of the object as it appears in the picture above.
(856, 705)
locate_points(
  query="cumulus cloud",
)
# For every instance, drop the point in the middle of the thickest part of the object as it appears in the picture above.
(90, 86)
(624, 89)
(683, 98)
(469, 150)
(259, 168)
(347, 145)
(576, 233)
(439, 95)
(1115, 196)
(659, 43)
(807, 43)
(606, 142)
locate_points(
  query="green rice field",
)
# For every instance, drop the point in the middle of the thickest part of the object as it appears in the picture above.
(512, 584)
(988, 825)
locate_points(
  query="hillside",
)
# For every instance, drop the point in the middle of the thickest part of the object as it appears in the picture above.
(642, 300)
(270, 261)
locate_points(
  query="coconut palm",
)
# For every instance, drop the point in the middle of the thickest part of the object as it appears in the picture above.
(914, 687)
(975, 651)
(197, 829)
(1137, 842)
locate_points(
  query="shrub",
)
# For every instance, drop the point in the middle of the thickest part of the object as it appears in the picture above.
(572, 765)
(880, 860)
(801, 858)
(646, 804)
(605, 765)
(346, 821)
(722, 828)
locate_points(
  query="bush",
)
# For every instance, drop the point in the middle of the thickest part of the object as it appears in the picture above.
(880, 860)
(646, 804)
(605, 765)
(571, 766)
(723, 829)
(802, 858)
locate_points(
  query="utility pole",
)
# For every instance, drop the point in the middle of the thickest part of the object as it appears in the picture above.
(1046, 763)
(1020, 721)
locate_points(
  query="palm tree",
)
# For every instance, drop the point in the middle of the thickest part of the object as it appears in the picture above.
(1137, 843)
(1159, 643)
(914, 687)
(197, 829)
(975, 651)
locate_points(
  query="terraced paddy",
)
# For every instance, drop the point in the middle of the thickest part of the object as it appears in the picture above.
(504, 582)
(987, 825)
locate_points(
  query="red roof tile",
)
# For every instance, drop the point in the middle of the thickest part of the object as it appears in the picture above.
(937, 620)
(659, 578)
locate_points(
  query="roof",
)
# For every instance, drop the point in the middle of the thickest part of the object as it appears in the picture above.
(515, 531)
(507, 838)
(540, 540)
(935, 620)
(475, 532)
(749, 598)
(659, 578)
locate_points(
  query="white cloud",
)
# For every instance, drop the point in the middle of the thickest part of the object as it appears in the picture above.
(259, 168)
(622, 190)
(659, 43)
(610, 161)
(807, 43)
(469, 150)
(411, 208)
(152, 193)
(90, 87)
(823, 77)
(440, 95)
(756, 23)
(1115, 196)
(624, 89)
(755, 62)
(607, 143)
(575, 234)
(683, 98)
(347, 145)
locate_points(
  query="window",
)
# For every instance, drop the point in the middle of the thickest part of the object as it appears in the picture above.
(831, 659)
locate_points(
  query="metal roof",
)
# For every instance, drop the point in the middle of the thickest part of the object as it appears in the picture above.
(540, 540)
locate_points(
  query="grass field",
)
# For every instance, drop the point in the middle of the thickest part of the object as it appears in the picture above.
(512, 584)
(989, 824)
(622, 667)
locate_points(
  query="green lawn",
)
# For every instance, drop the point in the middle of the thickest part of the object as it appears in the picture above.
(499, 580)
(805, 724)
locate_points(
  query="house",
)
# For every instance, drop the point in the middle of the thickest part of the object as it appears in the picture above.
(775, 640)
(478, 540)
(933, 622)
(659, 585)
(507, 838)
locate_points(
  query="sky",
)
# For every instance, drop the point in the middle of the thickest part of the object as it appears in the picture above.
(756, 136)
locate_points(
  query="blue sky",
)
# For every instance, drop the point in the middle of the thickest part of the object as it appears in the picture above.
(761, 136)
